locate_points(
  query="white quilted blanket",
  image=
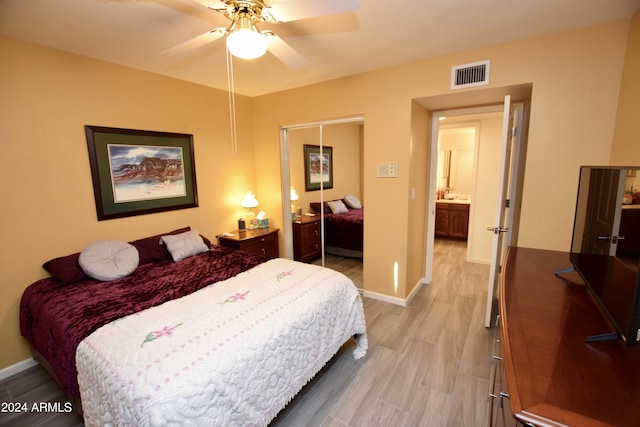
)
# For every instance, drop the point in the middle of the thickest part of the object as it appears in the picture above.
(232, 354)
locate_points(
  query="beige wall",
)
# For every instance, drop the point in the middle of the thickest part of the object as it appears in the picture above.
(417, 195)
(48, 207)
(571, 124)
(626, 139)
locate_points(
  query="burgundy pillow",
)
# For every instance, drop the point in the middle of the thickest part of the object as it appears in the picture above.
(66, 269)
(206, 241)
(150, 249)
(315, 206)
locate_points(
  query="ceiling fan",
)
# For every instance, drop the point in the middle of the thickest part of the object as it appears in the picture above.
(245, 40)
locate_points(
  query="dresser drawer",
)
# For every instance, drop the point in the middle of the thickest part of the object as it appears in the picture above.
(306, 239)
(256, 241)
(263, 245)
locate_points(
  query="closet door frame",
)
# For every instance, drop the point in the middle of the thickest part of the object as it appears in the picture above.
(285, 178)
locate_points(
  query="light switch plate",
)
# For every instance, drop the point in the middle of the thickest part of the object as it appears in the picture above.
(387, 170)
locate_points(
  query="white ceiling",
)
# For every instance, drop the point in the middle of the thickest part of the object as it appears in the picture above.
(378, 35)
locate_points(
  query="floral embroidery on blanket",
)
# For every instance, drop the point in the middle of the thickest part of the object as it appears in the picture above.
(166, 331)
(235, 298)
(284, 274)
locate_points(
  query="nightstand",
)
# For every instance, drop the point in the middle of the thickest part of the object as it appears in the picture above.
(306, 238)
(261, 241)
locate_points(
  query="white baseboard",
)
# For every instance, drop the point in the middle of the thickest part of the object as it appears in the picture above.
(415, 290)
(385, 298)
(17, 368)
(395, 300)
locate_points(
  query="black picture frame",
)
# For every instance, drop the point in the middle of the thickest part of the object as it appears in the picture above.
(313, 163)
(138, 172)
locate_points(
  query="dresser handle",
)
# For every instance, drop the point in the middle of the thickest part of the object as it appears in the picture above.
(492, 380)
(263, 251)
(503, 395)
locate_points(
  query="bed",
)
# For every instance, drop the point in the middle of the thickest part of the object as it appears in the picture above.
(343, 228)
(221, 337)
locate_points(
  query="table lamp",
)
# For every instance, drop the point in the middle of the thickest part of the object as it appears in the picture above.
(249, 202)
(294, 197)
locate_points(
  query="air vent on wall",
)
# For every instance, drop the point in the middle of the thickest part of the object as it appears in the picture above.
(469, 75)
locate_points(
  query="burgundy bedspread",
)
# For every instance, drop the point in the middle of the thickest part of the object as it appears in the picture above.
(345, 230)
(54, 318)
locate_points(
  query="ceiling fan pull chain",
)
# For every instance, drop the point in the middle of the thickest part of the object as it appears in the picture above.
(232, 103)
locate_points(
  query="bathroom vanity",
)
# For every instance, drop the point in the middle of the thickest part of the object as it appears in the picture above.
(452, 218)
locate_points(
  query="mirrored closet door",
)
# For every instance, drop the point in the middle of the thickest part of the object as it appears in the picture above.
(323, 191)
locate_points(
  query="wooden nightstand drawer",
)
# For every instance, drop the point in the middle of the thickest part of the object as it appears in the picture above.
(266, 245)
(258, 241)
(306, 239)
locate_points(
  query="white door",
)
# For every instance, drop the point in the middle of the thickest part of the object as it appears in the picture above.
(507, 192)
(602, 220)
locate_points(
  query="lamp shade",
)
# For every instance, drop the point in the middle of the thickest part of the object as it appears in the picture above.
(294, 195)
(249, 201)
(247, 43)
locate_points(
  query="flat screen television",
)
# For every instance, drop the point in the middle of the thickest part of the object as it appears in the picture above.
(605, 247)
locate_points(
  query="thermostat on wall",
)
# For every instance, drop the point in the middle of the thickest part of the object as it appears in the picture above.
(387, 170)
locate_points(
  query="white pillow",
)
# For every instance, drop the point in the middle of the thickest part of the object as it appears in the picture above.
(108, 259)
(184, 245)
(337, 207)
(352, 201)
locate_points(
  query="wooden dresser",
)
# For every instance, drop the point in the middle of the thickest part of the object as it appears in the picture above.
(306, 238)
(554, 378)
(261, 241)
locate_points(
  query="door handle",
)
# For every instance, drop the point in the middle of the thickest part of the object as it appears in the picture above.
(497, 230)
(614, 239)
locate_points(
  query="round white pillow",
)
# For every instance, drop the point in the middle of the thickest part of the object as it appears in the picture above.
(108, 259)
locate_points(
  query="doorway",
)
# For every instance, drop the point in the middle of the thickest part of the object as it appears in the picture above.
(468, 149)
(446, 105)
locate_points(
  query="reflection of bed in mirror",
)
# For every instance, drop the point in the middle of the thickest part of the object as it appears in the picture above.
(343, 227)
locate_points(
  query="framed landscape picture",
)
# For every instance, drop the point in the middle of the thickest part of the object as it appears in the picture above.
(318, 167)
(137, 172)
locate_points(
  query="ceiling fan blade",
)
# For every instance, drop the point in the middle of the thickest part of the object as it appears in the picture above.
(293, 10)
(285, 53)
(197, 41)
(213, 4)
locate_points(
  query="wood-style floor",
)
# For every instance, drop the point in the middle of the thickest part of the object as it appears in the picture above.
(350, 267)
(428, 363)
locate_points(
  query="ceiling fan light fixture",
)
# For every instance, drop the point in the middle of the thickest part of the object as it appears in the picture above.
(246, 44)
(245, 41)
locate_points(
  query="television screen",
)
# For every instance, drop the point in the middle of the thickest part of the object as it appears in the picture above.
(605, 249)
